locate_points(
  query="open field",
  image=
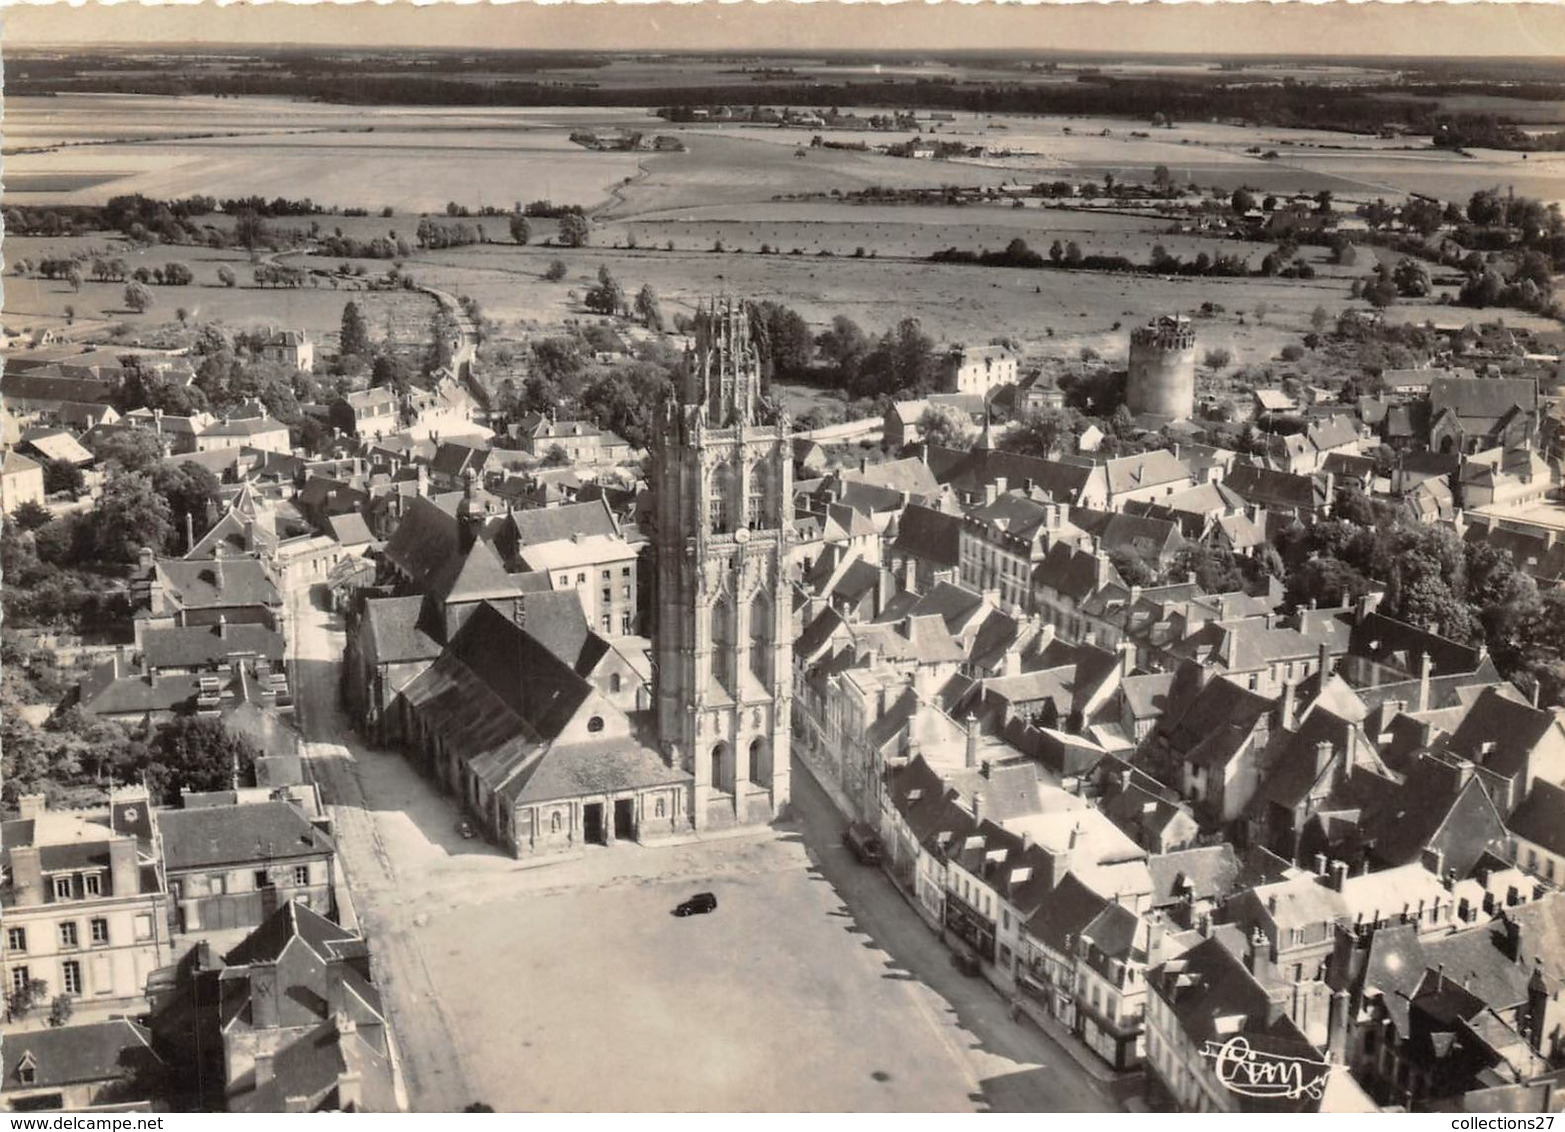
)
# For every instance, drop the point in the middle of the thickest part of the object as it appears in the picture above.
(85, 148)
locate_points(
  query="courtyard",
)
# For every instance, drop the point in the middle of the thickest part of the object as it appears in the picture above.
(571, 986)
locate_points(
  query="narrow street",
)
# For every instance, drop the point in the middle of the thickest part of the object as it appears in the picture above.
(468, 942)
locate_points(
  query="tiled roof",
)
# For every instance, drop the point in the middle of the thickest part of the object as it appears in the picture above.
(294, 922)
(929, 534)
(1513, 729)
(1207, 873)
(423, 541)
(1482, 400)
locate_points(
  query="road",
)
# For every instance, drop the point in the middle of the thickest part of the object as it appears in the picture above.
(815, 986)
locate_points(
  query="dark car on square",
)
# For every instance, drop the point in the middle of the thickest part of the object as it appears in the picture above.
(698, 905)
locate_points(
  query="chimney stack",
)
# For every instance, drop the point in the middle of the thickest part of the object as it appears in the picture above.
(1339, 874)
(124, 867)
(1288, 708)
(979, 809)
(972, 741)
(1425, 670)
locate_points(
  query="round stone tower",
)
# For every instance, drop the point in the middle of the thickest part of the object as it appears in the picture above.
(1162, 368)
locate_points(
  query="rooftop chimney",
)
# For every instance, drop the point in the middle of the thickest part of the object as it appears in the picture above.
(978, 806)
(31, 805)
(1339, 874)
(1425, 670)
(972, 740)
(124, 867)
(1322, 757)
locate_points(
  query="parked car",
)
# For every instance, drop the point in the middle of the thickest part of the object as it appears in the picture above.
(863, 843)
(964, 961)
(698, 905)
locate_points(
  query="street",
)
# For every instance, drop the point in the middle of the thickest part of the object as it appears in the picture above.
(567, 985)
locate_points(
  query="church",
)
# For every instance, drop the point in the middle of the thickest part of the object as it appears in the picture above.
(501, 691)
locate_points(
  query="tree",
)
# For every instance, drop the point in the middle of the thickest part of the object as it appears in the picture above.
(1162, 179)
(575, 231)
(130, 450)
(608, 297)
(178, 275)
(1486, 208)
(74, 277)
(946, 426)
(1380, 290)
(249, 230)
(1056, 252)
(786, 345)
(354, 338)
(197, 753)
(1218, 357)
(131, 515)
(30, 515)
(556, 457)
(1319, 320)
(521, 230)
(138, 297)
(225, 276)
(22, 1000)
(1262, 309)
(1411, 278)
(443, 333)
(648, 310)
(61, 1009)
(625, 400)
(192, 492)
(1039, 434)
(844, 344)
(1242, 201)
(62, 475)
(1073, 256)
(556, 271)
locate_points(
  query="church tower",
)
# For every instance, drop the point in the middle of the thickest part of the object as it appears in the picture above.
(722, 474)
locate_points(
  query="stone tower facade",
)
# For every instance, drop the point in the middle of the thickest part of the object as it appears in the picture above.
(1162, 368)
(722, 474)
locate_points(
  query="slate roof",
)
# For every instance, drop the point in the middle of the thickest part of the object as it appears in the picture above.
(455, 459)
(74, 1055)
(1276, 489)
(931, 535)
(1540, 818)
(57, 444)
(349, 529)
(1482, 401)
(15, 463)
(245, 581)
(1221, 705)
(1514, 728)
(1063, 912)
(1145, 469)
(909, 475)
(425, 538)
(1074, 573)
(970, 472)
(1208, 872)
(227, 835)
(551, 524)
(47, 384)
(295, 922)
(393, 632)
(202, 645)
(244, 426)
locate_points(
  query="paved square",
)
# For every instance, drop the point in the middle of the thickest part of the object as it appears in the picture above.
(602, 999)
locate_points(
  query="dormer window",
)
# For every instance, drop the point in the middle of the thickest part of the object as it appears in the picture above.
(92, 884)
(27, 1069)
(62, 888)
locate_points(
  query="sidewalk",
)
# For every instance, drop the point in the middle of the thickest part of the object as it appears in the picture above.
(1093, 1065)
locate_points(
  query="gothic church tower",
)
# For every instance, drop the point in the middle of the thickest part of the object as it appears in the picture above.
(722, 472)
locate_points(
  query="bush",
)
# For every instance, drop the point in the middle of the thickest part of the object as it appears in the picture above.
(556, 272)
(1218, 358)
(1292, 352)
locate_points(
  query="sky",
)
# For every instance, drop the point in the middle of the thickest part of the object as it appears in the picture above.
(1406, 28)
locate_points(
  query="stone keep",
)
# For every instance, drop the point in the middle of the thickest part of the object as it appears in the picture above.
(722, 643)
(1162, 368)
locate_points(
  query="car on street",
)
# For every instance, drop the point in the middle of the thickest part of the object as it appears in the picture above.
(861, 840)
(698, 905)
(964, 961)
